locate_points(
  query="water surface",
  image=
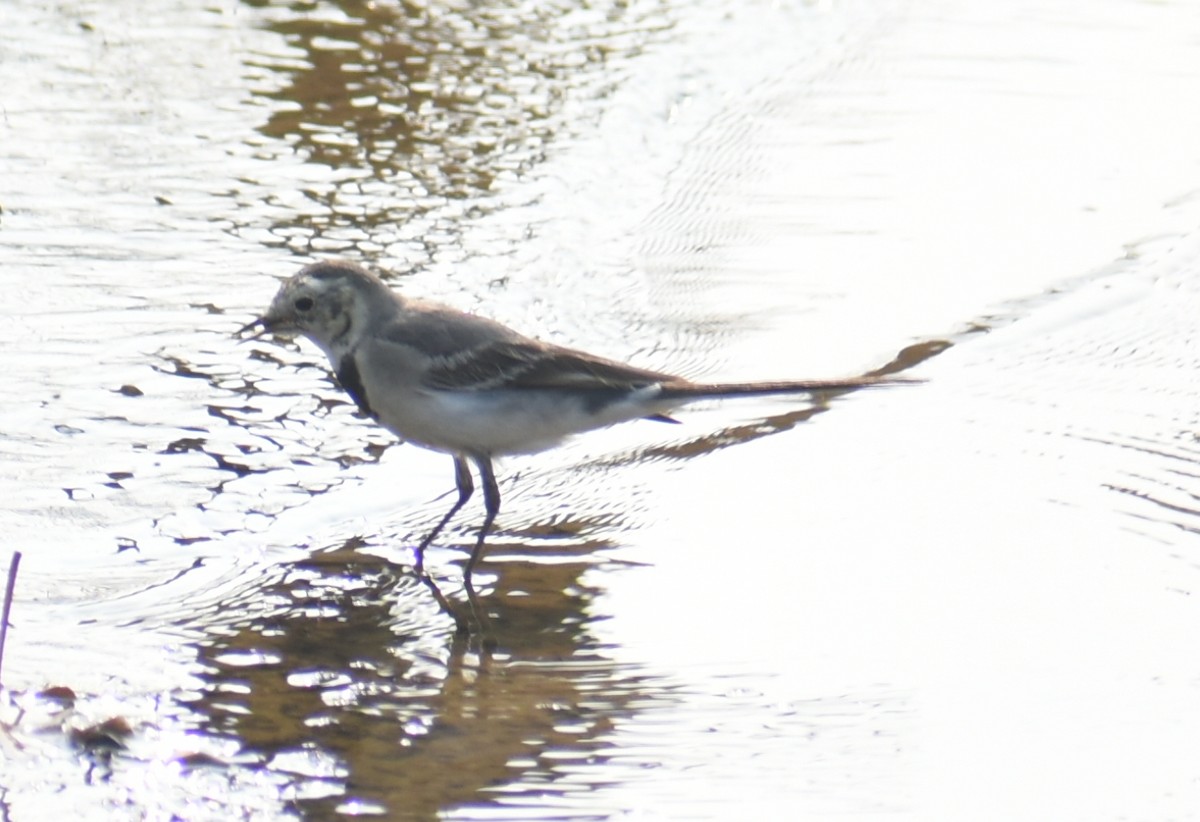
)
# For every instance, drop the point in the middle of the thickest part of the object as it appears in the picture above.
(967, 599)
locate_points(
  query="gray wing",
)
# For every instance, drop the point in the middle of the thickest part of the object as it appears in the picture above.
(529, 364)
(470, 353)
(440, 331)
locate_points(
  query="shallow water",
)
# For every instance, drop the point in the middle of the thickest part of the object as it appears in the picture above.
(966, 599)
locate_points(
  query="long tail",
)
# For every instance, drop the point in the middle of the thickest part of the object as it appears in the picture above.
(694, 390)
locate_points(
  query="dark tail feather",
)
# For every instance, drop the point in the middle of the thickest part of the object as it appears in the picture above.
(693, 390)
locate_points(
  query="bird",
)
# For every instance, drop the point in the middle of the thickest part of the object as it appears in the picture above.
(470, 387)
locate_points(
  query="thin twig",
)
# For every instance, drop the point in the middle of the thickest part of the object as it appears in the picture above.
(8, 598)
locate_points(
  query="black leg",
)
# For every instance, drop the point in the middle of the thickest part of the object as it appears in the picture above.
(491, 503)
(462, 478)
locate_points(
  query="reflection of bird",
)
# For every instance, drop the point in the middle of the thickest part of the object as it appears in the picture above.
(471, 387)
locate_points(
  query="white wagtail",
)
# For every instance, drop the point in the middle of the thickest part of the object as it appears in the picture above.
(470, 387)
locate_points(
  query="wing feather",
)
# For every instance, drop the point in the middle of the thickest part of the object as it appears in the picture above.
(466, 352)
(529, 364)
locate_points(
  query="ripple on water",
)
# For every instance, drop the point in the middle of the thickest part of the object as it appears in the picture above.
(222, 548)
(145, 466)
(1095, 385)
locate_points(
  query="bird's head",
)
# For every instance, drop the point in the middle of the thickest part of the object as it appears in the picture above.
(331, 303)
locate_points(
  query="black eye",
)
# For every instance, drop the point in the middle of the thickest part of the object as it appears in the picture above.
(304, 304)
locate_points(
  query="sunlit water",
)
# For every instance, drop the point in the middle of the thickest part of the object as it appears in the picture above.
(972, 598)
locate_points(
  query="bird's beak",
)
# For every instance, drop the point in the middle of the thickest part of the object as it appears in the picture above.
(277, 319)
(262, 324)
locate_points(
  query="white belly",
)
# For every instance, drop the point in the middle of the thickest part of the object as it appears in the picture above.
(496, 422)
